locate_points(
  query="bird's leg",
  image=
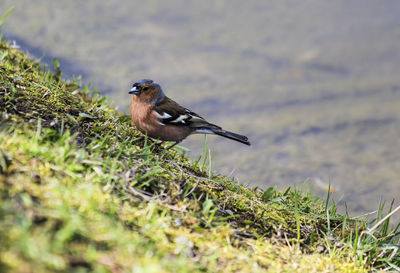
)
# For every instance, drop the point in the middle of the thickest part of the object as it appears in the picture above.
(173, 144)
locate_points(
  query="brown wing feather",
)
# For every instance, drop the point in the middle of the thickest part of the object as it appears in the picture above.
(170, 107)
(172, 113)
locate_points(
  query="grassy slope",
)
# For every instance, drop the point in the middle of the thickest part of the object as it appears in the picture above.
(82, 190)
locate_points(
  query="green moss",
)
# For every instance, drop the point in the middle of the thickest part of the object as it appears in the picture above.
(82, 190)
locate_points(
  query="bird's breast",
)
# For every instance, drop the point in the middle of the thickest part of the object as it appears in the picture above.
(147, 121)
(141, 114)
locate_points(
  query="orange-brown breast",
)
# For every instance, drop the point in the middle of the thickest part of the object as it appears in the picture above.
(147, 121)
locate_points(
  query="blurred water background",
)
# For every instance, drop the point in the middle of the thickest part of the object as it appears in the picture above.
(314, 84)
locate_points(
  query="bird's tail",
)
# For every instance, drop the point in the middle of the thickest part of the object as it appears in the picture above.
(233, 136)
(214, 129)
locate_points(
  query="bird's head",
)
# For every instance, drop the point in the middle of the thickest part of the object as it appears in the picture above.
(147, 91)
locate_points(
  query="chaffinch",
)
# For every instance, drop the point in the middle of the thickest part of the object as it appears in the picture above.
(159, 117)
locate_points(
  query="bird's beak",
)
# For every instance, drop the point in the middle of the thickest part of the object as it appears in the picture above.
(134, 91)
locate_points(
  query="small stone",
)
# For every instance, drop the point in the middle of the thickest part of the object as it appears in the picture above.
(183, 244)
(177, 222)
(4, 116)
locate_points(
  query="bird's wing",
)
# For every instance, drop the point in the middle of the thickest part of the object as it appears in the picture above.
(171, 113)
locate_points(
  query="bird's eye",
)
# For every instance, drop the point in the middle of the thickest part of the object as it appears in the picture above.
(145, 88)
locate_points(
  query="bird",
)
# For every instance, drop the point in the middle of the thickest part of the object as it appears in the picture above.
(159, 117)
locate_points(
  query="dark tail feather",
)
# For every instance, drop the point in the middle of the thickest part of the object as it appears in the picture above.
(233, 136)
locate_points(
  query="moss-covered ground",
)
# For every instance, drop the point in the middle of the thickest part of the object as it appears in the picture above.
(81, 190)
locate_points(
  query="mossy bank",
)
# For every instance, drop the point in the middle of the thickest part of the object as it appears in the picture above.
(81, 190)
